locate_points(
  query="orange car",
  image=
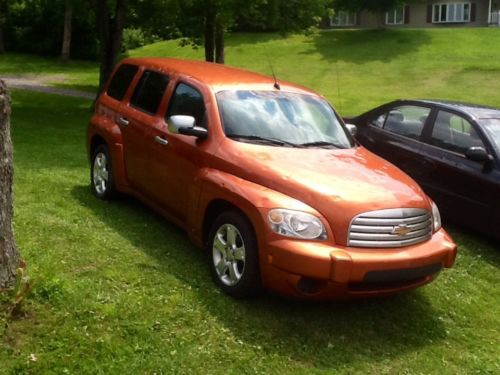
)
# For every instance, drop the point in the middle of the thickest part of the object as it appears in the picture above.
(267, 178)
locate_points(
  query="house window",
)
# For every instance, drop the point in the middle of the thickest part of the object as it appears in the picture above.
(451, 12)
(343, 18)
(396, 16)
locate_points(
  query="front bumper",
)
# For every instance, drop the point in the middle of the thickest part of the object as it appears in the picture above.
(319, 270)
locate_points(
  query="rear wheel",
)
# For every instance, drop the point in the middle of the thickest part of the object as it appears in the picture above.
(101, 173)
(234, 260)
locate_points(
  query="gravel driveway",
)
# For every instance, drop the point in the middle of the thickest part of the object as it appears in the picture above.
(41, 84)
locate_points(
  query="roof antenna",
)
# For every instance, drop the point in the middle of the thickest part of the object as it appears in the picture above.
(276, 83)
(338, 86)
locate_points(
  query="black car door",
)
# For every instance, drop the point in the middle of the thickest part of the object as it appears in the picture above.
(463, 189)
(395, 134)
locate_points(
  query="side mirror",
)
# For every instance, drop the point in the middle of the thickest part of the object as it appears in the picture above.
(477, 154)
(186, 125)
(353, 129)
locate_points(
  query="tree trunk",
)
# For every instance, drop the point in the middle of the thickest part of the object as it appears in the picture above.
(2, 46)
(9, 256)
(380, 20)
(3, 11)
(66, 45)
(110, 33)
(210, 36)
(219, 43)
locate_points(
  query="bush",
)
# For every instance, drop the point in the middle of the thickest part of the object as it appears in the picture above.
(135, 38)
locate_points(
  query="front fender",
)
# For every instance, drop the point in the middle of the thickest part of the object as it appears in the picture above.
(252, 199)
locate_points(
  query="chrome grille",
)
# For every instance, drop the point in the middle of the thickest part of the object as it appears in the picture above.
(396, 227)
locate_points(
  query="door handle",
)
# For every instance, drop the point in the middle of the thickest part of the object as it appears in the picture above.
(161, 140)
(123, 121)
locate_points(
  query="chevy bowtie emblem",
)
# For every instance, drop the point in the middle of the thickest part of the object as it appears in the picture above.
(401, 230)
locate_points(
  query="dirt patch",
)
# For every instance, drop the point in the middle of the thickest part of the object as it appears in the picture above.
(44, 84)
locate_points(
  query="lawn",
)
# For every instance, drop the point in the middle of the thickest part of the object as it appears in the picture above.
(355, 70)
(117, 289)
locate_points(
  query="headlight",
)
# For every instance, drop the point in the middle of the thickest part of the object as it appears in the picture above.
(436, 217)
(296, 224)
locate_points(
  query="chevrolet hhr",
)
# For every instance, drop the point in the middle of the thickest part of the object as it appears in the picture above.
(265, 177)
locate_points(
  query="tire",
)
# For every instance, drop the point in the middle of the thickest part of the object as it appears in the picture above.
(234, 263)
(101, 174)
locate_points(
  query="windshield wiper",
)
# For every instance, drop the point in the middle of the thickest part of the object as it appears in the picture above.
(319, 144)
(273, 141)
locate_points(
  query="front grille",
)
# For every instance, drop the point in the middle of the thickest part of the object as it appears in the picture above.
(396, 227)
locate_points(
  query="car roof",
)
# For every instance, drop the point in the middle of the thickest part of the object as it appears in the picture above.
(217, 76)
(475, 110)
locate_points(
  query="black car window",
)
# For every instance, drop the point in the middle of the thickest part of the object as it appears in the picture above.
(121, 81)
(408, 121)
(454, 133)
(378, 121)
(189, 102)
(149, 92)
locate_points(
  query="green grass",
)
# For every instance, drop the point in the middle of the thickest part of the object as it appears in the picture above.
(355, 70)
(119, 289)
(358, 70)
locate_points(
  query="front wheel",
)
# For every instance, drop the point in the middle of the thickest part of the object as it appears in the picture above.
(234, 257)
(101, 174)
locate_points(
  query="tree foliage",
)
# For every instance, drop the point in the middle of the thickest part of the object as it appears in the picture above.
(37, 26)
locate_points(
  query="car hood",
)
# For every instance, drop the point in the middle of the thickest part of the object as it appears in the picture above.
(340, 184)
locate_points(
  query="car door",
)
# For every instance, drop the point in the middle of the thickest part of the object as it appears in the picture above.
(139, 118)
(175, 158)
(395, 134)
(464, 190)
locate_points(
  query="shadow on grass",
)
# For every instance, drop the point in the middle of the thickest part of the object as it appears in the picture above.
(477, 244)
(323, 335)
(362, 46)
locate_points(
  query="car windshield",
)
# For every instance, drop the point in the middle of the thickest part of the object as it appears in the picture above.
(281, 119)
(492, 127)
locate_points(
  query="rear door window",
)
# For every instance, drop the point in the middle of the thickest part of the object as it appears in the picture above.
(149, 92)
(121, 81)
(189, 102)
(407, 121)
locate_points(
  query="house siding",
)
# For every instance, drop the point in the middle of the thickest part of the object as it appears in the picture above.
(418, 17)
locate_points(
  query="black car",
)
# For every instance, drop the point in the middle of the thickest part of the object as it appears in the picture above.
(451, 149)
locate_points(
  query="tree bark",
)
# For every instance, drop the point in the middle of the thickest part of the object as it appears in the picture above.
(210, 36)
(3, 11)
(9, 256)
(380, 20)
(110, 33)
(2, 46)
(219, 43)
(66, 45)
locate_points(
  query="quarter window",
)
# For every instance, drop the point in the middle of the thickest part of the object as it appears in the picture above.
(396, 16)
(149, 92)
(407, 121)
(451, 12)
(343, 18)
(379, 121)
(454, 133)
(121, 81)
(188, 101)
